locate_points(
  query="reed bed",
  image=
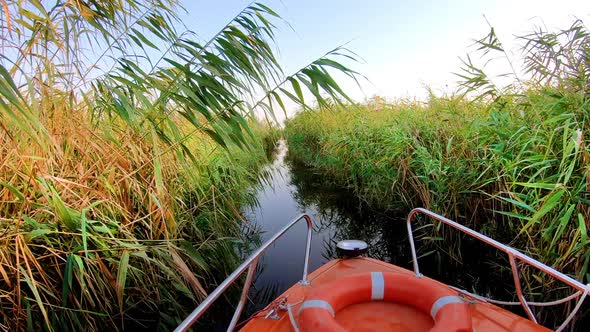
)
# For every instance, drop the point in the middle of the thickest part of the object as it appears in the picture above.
(127, 147)
(511, 162)
(101, 230)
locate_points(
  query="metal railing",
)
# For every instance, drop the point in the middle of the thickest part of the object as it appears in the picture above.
(512, 253)
(249, 264)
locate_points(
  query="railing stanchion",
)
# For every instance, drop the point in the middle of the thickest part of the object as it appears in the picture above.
(304, 280)
(518, 287)
(244, 297)
(412, 245)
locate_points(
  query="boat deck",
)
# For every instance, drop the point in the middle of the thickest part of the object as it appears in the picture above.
(379, 315)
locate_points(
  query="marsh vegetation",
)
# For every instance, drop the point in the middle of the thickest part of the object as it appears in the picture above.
(508, 160)
(127, 146)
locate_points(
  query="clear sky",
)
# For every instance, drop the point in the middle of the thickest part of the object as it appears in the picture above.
(404, 44)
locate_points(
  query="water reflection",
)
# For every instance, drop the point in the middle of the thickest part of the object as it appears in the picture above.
(282, 264)
(293, 189)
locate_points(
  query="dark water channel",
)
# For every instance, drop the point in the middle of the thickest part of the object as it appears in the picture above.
(292, 190)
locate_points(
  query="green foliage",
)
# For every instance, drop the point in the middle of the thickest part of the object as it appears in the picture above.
(510, 160)
(127, 147)
(391, 155)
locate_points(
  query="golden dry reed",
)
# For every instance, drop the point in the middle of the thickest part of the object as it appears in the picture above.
(127, 148)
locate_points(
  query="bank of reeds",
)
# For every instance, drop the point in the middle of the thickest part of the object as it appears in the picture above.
(127, 147)
(510, 161)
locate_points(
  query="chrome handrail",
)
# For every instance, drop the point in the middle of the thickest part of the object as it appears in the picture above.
(250, 264)
(513, 254)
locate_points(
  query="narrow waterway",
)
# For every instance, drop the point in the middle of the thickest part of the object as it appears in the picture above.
(337, 215)
(292, 190)
(279, 201)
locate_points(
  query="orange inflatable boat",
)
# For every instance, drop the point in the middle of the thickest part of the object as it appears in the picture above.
(357, 293)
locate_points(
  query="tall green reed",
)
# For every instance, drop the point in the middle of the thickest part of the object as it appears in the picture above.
(507, 159)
